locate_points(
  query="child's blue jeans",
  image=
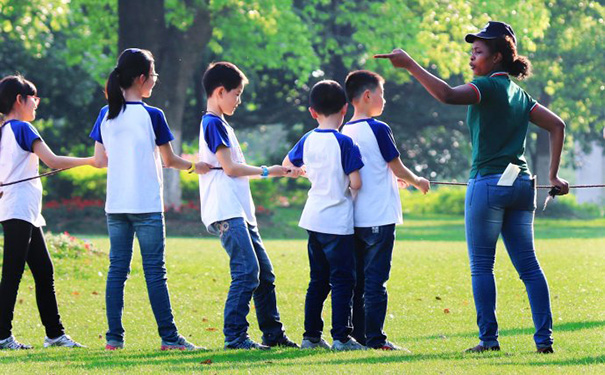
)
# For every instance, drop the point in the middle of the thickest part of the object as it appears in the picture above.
(491, 210)
(373, 252)
(251, 277)
(332, 263)
(149, 228)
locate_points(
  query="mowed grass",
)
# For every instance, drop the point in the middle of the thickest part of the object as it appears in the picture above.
(431, 310)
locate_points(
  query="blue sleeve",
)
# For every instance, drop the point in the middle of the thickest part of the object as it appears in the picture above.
(215, 133)
(96, 129)
(296, 154)
(350, 155)
(385, 139)
(25, 134)
(161, 130)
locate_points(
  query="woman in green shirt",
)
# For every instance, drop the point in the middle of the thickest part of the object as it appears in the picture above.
(498, 117)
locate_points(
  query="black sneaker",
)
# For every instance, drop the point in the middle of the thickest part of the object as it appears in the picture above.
(284, 342)
(480, 349)
(547, 350)
(247, 344)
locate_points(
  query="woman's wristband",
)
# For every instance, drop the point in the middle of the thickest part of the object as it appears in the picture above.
(265, 172)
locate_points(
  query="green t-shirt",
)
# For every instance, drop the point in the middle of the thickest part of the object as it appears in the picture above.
(498, 124)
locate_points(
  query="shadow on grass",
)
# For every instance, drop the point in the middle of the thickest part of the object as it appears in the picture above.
(592, 360)
(219, 360)
(564, 327)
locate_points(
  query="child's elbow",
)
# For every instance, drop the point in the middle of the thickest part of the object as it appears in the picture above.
(230, 170)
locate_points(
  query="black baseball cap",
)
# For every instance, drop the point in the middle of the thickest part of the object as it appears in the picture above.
(492, 30)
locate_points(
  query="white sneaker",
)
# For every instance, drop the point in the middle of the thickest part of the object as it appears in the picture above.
(309, 343)
(63, 340)
(350, 344)
(12, 344)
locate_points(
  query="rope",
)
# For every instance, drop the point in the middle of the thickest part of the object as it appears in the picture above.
(539, 186)
(53, 172)
(451, 183)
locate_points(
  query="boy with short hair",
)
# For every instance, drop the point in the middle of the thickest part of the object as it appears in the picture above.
(227, 210)
(377, 206)
(332, 164)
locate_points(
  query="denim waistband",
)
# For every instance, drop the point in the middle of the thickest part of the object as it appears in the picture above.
(497, 176)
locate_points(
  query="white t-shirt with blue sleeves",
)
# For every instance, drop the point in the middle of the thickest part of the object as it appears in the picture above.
(134, 170)
(222, 197)
(21, 201)
(378, 202)
(329, 157)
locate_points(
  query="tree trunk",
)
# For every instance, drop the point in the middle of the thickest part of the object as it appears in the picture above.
(177, 54)
(542, 158)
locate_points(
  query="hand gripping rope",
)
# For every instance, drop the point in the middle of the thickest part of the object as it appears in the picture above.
(552, 193)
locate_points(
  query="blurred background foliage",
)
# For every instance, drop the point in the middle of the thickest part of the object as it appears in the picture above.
(67, 48)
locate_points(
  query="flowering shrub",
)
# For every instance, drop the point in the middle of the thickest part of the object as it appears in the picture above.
(65, 245)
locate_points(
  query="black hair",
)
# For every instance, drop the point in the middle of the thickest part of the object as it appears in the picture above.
(359, 81)
(131, 64)
(10, 88)
(516, 65)
(327, 97)
(223, 74)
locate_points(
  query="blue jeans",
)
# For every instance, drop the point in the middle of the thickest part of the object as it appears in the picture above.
(332, 263)
(149, 228)
(491, 210)
(252, 277)
(373, 253)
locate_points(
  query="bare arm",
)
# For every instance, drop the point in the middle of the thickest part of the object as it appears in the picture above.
(555, 126)
(355, 180)
(439, 89)
(100, 156)
(233, 169)
(54, 161)
(404, 173)
(172, 160)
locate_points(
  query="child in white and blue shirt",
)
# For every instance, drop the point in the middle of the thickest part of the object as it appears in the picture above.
(228, 210)
(21, 149)
(332, 162)
(132, 140)
(377, 206)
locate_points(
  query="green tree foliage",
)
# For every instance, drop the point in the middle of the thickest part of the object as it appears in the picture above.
(284, 46)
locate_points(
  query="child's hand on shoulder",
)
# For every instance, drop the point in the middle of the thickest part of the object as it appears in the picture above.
(422, 184)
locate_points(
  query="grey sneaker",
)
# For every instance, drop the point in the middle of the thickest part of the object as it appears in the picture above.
(12, 344)
(312, 343)
(180, 344)
(63, 340)
(350, 344)
(247, 344)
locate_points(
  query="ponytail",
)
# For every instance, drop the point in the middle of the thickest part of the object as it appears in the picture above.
(115, 97)
(514, 64)
(520, 68)
(131, 64)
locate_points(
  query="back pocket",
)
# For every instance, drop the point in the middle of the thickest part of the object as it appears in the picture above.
(499, 196)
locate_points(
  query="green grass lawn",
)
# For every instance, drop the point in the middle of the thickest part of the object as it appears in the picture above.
(431, 310)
